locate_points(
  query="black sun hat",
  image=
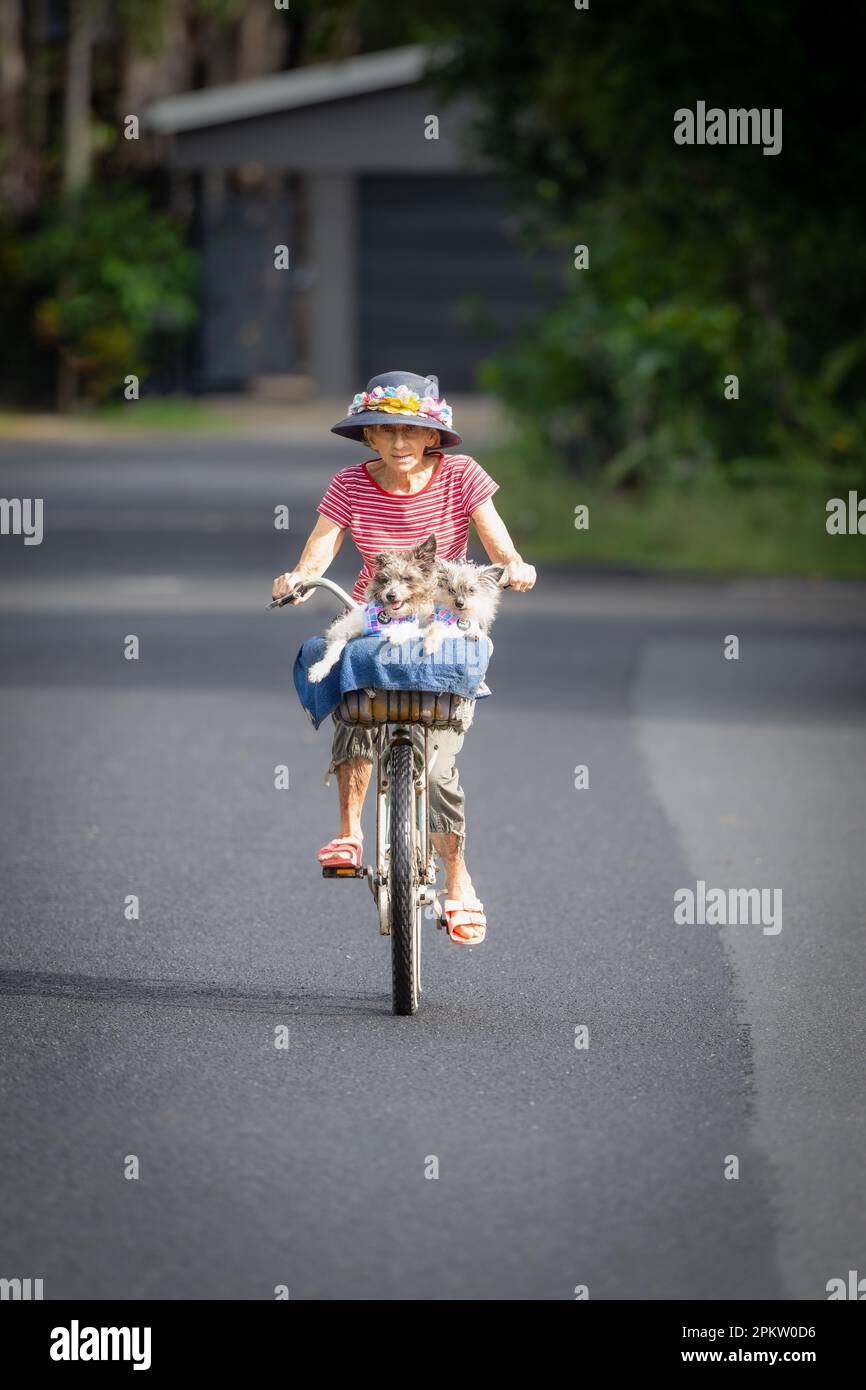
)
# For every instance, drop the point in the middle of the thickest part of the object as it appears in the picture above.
(397, 396)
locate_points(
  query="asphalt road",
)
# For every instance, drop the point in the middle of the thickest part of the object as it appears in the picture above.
(305, 1166)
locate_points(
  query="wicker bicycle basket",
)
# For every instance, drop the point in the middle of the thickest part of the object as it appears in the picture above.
(370, 707)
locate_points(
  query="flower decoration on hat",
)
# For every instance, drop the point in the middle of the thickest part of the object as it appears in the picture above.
(399, 400)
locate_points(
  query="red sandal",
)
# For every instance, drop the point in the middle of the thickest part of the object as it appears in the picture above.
(465, 920)
(344, 852)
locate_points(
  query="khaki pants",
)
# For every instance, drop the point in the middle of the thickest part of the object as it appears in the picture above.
(446, 794)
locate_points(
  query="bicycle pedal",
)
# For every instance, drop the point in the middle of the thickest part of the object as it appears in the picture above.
(344, 873)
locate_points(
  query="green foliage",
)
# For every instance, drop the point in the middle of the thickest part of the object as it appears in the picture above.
(705, 261)
(339, 28)
(108, 273)
(700, 524)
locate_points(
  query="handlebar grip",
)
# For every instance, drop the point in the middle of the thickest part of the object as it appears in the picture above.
(287, 598)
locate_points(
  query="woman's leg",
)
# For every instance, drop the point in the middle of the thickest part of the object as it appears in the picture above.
(352, 754)
(353, 779)
(447, 816)
(352, 757)
(458, 884)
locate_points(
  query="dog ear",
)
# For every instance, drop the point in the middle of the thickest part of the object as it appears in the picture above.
(426, 550)
(491, 574)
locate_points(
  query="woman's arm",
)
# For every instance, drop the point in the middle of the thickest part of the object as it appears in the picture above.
(322, 545)
(493, 534)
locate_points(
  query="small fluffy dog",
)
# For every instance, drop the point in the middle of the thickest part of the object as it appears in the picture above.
(469, 591)
(402, 591)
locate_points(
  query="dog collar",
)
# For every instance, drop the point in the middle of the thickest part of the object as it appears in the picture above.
(445, 615)
(375, 618)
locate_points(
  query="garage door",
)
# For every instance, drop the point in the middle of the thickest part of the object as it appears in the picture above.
(247, 327)
(442, 281)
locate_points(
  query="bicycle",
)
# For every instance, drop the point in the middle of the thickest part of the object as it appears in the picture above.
(403, 879)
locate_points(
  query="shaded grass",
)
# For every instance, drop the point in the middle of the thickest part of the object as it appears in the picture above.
(700, 525)
(171, 413)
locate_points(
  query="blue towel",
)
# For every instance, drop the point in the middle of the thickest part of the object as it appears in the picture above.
(457, 669)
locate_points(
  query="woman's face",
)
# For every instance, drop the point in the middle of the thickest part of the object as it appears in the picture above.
(401, 447)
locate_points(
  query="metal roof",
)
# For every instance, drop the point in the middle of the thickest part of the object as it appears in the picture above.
(321, 82)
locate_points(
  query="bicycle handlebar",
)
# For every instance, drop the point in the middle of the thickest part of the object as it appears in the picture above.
(338, 592)
(316, 584)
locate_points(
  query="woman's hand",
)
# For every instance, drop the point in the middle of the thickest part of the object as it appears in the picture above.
(518, 575)
(285, 583)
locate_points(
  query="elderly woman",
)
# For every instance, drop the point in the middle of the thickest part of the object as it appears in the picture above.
(391, 502)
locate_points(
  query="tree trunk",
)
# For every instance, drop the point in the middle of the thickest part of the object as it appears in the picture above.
(76, 109)
(150, 71)
(76, 153)
(38, 77)
(261, 42)
(18, 162)
(67, 384)
(12, 74)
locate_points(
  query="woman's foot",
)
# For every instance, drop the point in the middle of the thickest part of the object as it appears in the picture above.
(462, 911)
(465, 920)
(344, 852)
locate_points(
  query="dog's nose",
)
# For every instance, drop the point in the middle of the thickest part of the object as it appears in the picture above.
(459, 603)
(390, 596)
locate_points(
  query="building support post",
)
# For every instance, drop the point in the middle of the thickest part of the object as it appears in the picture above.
(333, 253)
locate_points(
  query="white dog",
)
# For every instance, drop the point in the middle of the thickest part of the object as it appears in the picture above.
(401, 597)
(467, 598)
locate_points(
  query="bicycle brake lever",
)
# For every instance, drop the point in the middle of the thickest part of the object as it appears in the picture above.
(287, 598)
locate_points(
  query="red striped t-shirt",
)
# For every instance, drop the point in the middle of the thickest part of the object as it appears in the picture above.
(380, 520)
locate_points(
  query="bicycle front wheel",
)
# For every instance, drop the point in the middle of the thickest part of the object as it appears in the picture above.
(403, 875)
